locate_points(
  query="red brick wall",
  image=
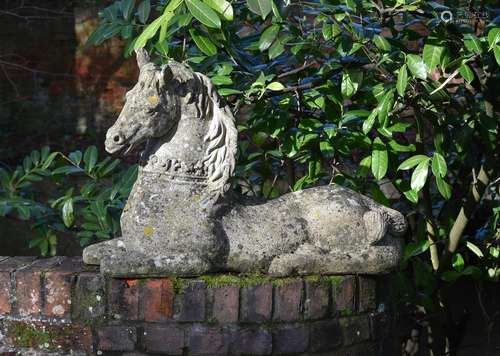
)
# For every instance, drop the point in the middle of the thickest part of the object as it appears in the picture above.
(60, 304)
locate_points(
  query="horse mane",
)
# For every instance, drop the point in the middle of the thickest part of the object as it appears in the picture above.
(220, 155)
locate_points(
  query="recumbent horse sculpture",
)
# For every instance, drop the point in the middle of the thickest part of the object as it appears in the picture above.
(181, 220)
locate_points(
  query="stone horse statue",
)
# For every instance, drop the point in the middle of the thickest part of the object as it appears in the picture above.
(181, 220)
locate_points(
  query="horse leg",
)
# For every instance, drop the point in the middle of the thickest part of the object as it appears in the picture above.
(309, 259)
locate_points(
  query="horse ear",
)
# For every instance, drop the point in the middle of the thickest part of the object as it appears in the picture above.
(142, 57)
(166, 75)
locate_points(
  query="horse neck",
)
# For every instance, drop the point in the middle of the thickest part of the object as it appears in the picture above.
(183, 150)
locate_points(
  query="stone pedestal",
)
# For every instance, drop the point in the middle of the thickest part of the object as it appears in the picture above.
(56, 304)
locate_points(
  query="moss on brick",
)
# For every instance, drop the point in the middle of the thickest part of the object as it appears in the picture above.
(31, 336)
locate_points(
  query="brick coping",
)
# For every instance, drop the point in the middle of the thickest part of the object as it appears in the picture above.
(60, 305)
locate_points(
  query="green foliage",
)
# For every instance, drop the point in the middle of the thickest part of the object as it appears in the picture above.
(88, 197)
(358, 93)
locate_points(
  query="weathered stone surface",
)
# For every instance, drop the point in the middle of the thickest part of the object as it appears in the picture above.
(89, 298)
(179, 221)
(355, 329)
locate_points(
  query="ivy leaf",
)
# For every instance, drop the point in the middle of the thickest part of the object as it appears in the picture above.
(144, 10)
(268, 37)
(222, 7)
(260, 7)
(419, 176)
(417, 66)
(351, 81)
(439, 168)
(203, 13)
(203, 43)
(432, 56)
(402, 80)
(380, 159)
(412, 162)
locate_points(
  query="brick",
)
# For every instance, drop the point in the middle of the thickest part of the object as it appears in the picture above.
(291, 339)
(225, 306)
(89, 298)
(325, 335)
(28, 292)
(191, 303)
(158, 299)
(355, 329)
(116, 338)
(287, 300)
(254, 341)
(317, 303)
(166, 339)
(14, 263)
(5, 293)
(369, 348)
(58, 285)
(367, 294)
(344, 295)
(256, 303)
(205, 340)
(124, 299)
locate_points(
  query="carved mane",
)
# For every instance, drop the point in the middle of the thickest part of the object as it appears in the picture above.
(221, 138)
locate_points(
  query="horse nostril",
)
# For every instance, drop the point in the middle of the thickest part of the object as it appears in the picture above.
(116, 138)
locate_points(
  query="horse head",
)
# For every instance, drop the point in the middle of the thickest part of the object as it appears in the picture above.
(149, 111)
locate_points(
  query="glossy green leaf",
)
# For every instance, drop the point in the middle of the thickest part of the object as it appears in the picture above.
(417, 66)
(458, 262)
(466, 72)
(412, 162)
(419, 176)
(443, 187)
(351, 81)
(402, 82)
(143, 10)
(276, 49)
(150, 31)
(90, 158)
(275, 86)
(67, 212)
(127, 7)
(327, 31)
(203, 13)
(432, 56)
(382, 43)
(439, 167)
(385, 107)
(203, 43)
(268, 37)
(223, 7)
(260, 7)
(380, 159)
(369, 122)
(472, 43)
